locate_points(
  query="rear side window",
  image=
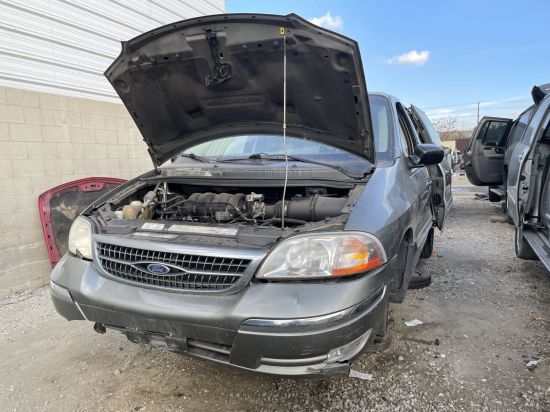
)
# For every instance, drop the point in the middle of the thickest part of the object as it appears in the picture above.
(494, 133)
(519, 127)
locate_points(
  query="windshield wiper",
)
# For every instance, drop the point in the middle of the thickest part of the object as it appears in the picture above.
(195, 157)
(279, 157)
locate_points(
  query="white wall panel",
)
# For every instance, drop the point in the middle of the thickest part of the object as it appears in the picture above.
(64, 46)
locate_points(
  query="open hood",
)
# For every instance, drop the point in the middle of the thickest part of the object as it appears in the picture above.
(217, 76)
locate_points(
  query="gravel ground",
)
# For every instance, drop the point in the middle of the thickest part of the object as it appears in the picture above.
(486, 315)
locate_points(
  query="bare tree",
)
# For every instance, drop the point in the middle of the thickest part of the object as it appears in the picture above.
(447, 127)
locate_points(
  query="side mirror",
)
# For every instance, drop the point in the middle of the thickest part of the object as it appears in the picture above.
(426, 154)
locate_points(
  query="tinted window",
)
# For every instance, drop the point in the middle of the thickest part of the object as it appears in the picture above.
(519, 127)
(494, 133)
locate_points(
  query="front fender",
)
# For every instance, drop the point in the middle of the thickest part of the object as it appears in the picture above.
(385, 208)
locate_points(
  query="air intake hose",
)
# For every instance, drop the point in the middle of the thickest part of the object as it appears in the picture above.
(312, 208)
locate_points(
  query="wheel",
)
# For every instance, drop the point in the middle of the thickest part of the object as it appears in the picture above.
(523, 249)
(493, 197)
(428, 247)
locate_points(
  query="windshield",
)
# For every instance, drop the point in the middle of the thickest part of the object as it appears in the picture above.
(247, 145)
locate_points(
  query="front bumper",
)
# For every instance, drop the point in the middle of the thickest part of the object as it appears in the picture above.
(278, 328)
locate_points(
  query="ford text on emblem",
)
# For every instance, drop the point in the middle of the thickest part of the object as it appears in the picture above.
(158, 268)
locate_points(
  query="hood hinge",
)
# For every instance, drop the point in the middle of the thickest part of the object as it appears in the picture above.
(366, 138)
(154, 160)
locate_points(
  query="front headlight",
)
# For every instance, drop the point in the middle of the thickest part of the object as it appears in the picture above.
(80, 238)
(323, 255)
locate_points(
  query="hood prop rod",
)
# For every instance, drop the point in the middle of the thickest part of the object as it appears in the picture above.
(282, 31)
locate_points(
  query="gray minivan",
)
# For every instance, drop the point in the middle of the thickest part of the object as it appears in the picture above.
(266, 248)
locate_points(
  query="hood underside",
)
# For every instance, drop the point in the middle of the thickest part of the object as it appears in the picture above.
(205, 78)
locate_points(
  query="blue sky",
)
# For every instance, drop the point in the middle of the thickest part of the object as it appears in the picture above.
(443, 56)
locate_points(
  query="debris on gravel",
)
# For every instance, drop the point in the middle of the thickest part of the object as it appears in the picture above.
(361, 375)
(532, 364)
(497, 219)
(414, 322)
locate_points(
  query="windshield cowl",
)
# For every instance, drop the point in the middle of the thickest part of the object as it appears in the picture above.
(294, 159)
(252, 169)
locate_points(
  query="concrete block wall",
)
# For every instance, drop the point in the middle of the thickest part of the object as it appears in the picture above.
(46, 140)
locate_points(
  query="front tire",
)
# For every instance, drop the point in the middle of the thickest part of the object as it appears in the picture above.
(523, 249)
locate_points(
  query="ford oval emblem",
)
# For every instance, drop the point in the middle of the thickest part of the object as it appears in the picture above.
(158, 268)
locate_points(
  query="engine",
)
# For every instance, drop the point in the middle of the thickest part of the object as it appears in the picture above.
(253, 208)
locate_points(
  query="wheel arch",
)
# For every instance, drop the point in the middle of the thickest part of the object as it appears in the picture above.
(402, 267)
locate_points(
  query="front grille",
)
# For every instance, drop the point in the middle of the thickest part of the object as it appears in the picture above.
(187, 272)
